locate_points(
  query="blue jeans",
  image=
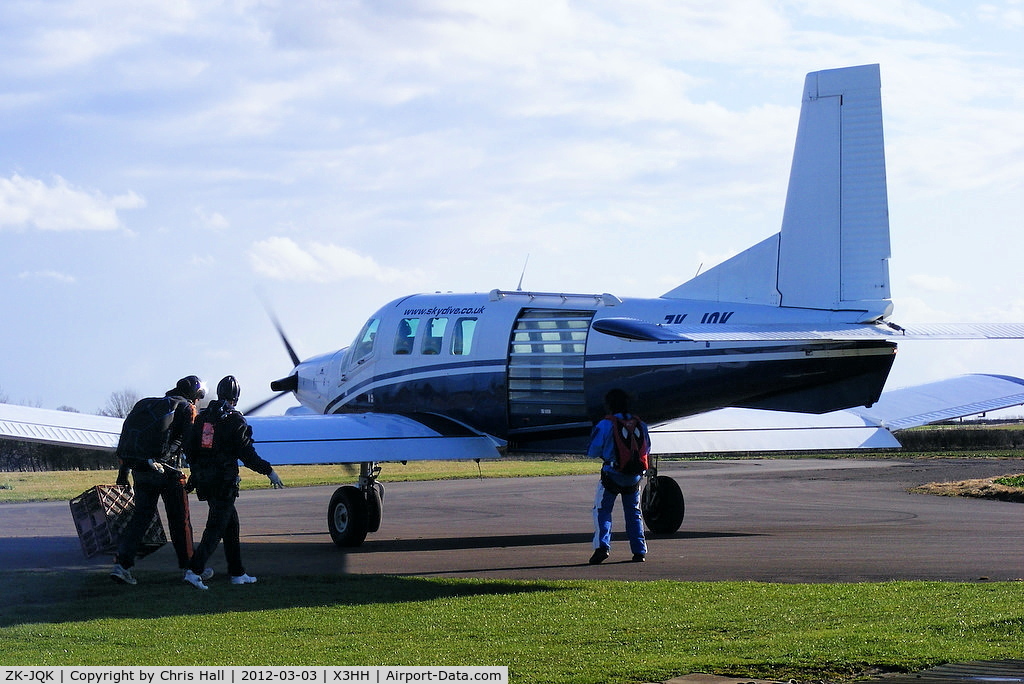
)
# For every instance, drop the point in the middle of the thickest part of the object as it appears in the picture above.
(604, 501)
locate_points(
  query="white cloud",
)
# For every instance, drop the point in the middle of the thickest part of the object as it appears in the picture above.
(47, 275)
(1009, 14)
(282, 258)
(31, 203)
(77, 33)
(213, 220)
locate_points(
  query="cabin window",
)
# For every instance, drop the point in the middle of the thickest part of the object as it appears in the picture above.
(364, 341)
(435, 333)
(406, 335)
(462, 336)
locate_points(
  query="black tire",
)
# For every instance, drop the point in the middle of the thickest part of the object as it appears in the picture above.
(347, 516)
(374, 510)
(662, 505)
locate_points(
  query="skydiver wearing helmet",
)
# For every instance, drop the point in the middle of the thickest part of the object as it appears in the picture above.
(151, 443)
(221, 439)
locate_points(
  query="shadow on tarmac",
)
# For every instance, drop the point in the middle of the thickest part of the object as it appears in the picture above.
(39, 596)
(500, 541)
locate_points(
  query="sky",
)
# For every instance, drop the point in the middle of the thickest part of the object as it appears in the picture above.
(169, 169)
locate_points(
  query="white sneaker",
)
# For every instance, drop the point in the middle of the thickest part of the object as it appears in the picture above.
(206, 574)
(122, 575)
(195, 580)
(243, 579)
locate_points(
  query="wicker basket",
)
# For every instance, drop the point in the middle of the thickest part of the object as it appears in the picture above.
(101, 515)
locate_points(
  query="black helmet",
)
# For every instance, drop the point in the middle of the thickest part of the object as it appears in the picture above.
(228, 389)
(191, 387)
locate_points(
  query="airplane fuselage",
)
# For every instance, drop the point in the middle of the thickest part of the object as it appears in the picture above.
(530, 368)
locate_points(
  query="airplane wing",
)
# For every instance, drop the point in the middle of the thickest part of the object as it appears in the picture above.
(295, 439)
(28, 424)
(964, 395)
(646, 331)
(740, 430)
(365, 437)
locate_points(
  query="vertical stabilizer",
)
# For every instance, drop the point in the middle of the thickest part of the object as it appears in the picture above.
(834, 244)
(833, 250)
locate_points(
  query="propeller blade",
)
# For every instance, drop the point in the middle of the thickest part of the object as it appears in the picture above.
(262, 404)
(287, 345)
(280, 332)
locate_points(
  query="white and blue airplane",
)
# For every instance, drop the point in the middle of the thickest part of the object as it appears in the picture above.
(785, 346)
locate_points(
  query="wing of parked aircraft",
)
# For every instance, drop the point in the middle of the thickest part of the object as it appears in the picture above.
(292, 439)
(63, 428)
(368, 437)
(753, 430)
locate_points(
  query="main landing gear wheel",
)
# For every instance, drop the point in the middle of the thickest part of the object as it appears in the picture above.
(347, 516)
(356, 511)
(662, 505)
(374, 507)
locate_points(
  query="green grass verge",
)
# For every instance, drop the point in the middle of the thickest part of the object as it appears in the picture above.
(64, 485)
(544, 631)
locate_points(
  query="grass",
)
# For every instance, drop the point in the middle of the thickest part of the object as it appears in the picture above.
(544, 631)
(67, 484)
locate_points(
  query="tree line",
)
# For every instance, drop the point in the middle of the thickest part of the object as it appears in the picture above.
(18, 456)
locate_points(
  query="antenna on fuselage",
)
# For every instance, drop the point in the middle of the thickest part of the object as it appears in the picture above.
(519, 287)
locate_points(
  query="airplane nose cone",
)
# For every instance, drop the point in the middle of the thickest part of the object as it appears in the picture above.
(289, 384)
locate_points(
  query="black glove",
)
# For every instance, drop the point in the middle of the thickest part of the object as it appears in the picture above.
(122, 474)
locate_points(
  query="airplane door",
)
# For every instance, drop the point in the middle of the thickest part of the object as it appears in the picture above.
(545, 370)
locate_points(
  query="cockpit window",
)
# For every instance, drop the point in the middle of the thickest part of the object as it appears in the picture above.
(364, 341)
(462, 336)
(406, 335)
(435, 334)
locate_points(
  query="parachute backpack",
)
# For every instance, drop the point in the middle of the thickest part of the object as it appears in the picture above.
(632, 457)
(146, 429)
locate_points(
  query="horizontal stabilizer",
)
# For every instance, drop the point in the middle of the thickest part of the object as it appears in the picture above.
(368, 437)
(63, 428)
